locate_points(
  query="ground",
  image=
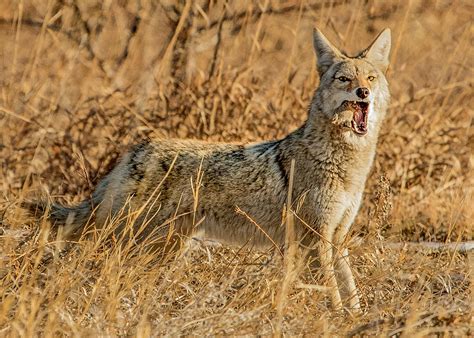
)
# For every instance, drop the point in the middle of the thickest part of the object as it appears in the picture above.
(81, 81)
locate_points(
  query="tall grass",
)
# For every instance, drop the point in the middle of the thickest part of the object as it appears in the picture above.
(82, 80)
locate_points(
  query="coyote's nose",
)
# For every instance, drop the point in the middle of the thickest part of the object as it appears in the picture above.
(362, 92)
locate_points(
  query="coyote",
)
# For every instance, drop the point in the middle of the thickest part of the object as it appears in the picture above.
(184, 186)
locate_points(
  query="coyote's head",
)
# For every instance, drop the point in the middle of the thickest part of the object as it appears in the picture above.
(353, 91)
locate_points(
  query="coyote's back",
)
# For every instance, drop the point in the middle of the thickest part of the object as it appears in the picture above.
(189, 184)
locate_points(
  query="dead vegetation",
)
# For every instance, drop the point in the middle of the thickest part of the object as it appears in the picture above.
(83, 80)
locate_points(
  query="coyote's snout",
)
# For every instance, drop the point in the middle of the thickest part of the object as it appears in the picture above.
(333, 152)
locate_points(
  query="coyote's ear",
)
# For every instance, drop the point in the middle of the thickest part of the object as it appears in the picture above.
(326, 53)
(378, 52)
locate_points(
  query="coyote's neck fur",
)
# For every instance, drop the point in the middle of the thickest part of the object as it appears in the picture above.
(318, 147)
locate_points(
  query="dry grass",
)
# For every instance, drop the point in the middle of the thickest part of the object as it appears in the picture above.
(82, 80)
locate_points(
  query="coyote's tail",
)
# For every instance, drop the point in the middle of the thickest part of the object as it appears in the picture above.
(71, 220)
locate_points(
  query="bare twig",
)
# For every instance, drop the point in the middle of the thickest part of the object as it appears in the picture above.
(457, 247)
(218, 42)
(171, 46)
(133, 30)
(86, 41)
(258, 12)
(241, 212)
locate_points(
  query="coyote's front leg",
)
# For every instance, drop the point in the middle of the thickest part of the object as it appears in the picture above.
(334, 256)
(326, 247)
(345, 278)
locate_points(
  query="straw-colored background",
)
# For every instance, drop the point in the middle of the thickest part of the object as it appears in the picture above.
(82, 80)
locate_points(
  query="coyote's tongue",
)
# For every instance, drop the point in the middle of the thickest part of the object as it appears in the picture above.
(359, 119)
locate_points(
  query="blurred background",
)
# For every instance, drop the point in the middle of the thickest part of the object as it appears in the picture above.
(82, 80)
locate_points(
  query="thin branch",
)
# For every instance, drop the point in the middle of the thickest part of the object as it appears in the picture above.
(456, 246)
(86, 29)
(258, 12)
(133, 30)
(38, 24)
(218, 42)
(241, 212)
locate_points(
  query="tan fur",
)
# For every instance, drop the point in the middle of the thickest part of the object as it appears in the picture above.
(197, 186)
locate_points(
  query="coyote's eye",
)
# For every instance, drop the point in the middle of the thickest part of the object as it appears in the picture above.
(343, 79)
(371, 78)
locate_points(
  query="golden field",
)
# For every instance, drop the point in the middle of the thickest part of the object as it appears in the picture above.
(82, 80)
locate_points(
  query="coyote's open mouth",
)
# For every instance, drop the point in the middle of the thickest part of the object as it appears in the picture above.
(360, 115)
